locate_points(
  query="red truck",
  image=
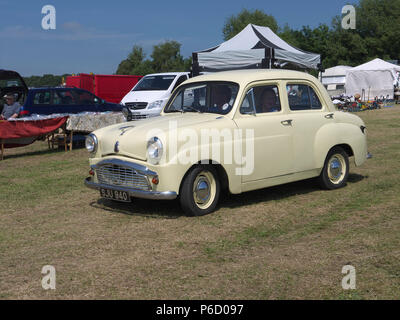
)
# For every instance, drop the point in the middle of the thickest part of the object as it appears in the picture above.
(111, 88)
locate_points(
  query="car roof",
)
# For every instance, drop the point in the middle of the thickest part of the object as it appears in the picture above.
(247, 76)
(167, 74)
(57, 88)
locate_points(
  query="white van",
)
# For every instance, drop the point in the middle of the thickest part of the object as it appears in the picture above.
(149, 96)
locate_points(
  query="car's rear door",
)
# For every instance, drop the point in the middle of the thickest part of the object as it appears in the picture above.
(308, 114)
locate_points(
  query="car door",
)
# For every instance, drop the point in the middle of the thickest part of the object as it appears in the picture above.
(308, 115)
(64, 101)
(273, 134)
(86, 101)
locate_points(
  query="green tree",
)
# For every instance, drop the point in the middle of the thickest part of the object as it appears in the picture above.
(47, 80)
(378, 23)
(166, 57)
(235, 24)
(287, 34)
(135, 63)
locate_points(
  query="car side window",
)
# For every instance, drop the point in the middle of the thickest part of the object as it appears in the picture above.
(64, 97)
(248, 104)
(261, 99)
(42, 97)
(194, 97)
(86, 98)
(302, 97)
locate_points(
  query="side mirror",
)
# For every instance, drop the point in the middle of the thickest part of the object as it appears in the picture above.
(127, 113)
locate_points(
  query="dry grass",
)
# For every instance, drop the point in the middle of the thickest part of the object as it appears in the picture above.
(286, 242)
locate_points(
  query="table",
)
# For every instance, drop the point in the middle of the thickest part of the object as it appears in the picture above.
(88, 122)
(22, 132)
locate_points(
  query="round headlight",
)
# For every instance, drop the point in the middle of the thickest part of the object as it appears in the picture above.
(154, 150)
(91, 143)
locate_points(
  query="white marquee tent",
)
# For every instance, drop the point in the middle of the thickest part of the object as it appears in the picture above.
(374, 78)
(335, 75)
(254, 47)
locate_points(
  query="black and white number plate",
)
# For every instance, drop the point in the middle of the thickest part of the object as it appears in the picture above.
(115, 195)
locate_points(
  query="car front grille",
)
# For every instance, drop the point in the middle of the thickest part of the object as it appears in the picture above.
(136, 105)
(143, 116)
(116, 175)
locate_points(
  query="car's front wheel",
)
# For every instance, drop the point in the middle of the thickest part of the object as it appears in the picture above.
(336, 169)
(200, 191)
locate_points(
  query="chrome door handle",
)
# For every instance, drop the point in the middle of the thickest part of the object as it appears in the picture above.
(329, 116)
(287, 122)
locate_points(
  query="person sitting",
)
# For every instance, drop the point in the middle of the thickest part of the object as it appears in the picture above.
(220, 98)
(268, 101)
(11, 108)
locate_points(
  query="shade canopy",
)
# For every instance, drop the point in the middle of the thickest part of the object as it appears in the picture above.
(375, 78)
(254, 47)
(335, 75)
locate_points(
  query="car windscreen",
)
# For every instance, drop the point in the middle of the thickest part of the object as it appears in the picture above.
(10, 83)
(149, 83)
(210, 97)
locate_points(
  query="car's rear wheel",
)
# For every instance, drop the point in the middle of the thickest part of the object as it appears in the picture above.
(200, 191)
(336, 169)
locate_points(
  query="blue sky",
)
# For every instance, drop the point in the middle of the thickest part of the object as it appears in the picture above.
(94, 36)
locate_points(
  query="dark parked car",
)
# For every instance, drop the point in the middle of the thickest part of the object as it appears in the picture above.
(64, 100)
(50, 100)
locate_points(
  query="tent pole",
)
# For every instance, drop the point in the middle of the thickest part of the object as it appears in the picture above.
(266, 62)
(195, 65)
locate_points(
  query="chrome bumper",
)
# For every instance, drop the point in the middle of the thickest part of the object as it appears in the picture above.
(155, 195)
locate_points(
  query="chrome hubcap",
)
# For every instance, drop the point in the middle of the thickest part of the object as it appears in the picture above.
(202, 190)
(336, 168)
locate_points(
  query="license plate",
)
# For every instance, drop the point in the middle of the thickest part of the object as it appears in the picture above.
(115, 195)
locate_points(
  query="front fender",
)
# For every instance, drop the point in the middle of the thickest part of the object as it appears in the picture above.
(189, 156)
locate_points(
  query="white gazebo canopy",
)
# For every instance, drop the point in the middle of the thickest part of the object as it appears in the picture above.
(374, 78)
(335, 75)
(254, 47)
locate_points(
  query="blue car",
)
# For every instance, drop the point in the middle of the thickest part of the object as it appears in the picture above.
(64, 100)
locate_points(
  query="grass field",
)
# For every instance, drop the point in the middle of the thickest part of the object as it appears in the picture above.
(285, 242)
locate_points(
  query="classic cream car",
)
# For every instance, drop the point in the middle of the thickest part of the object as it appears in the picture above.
(240, 130)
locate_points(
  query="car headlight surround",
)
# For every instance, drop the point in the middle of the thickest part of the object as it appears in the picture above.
(156, 104)
(91, 143)
(155, 150)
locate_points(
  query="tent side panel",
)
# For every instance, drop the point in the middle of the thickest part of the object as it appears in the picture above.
(308, 60)
(230, 60)
(374, 83)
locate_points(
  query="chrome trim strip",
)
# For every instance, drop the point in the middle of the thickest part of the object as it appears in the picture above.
(137, 167)
(154, 195)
